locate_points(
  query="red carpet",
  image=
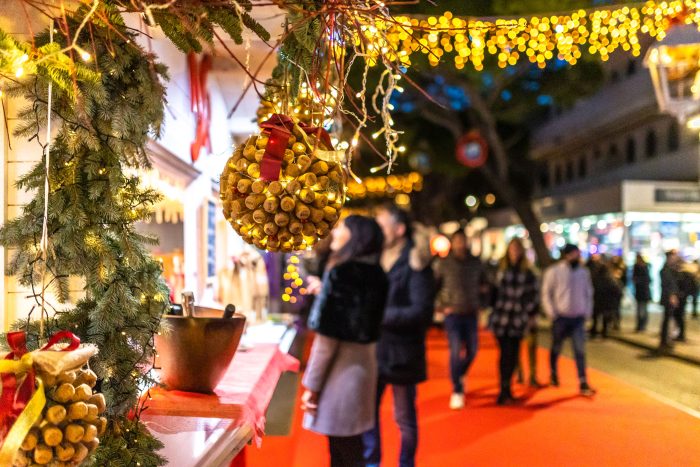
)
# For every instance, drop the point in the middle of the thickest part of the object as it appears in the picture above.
(555, 427)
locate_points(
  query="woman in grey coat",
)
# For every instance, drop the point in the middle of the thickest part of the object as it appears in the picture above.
(341, 375)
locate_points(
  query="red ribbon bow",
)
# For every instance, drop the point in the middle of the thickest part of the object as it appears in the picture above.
(280, 128)
(16, 394)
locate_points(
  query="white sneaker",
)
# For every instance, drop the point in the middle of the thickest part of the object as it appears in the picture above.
(457, 401)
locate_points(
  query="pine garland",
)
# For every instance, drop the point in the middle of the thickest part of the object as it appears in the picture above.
(105, 119)
(106, 112)
(191, 26)
(296, 54)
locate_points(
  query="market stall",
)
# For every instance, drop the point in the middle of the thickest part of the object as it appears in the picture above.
(212, 429)
(88, 81)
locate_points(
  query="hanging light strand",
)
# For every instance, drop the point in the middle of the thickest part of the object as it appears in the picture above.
(537, 38)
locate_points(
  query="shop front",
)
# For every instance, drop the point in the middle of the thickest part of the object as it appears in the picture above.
(632, 217)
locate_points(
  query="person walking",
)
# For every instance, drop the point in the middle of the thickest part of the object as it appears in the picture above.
(462, 283)
(617, 267)
(514, 309)
(688, 289)
(401, 346)
(341, 375)
(670, 295)
(532, 344)
(607, 295)
(567, 298)
(595, 267)
(642, 291)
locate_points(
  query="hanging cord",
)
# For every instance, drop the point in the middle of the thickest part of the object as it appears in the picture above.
(45, 227)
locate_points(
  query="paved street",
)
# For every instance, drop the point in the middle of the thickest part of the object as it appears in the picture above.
(621, 425)
(689, 350)
(668, 378)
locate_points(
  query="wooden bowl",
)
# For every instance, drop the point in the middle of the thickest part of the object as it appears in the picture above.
(195, 352)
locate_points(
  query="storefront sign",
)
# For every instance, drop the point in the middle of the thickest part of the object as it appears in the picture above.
(676, 195)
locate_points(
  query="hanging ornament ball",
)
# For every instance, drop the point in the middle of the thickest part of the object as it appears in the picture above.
(283, 189)
(70, 424)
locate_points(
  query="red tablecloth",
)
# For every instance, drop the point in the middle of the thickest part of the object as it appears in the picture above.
(242, 396)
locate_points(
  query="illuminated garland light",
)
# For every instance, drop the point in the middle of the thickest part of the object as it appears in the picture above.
(540, 39)
(308, 107)
(293, 286)
(392, 185)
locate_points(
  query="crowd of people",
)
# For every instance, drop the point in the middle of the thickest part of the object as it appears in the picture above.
(377, 292)
(679, 281)
(679, 286)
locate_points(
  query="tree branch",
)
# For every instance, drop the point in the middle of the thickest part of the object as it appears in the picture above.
(488, 122)
(506, 80)
(446, 119)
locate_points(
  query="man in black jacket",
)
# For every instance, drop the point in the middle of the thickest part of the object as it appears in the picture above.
(670, 295)
(401, 346)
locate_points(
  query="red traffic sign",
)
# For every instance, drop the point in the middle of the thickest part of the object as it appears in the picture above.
(472, 150)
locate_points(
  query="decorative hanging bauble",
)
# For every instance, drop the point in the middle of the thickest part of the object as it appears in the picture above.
(283, 189)
(58, 422)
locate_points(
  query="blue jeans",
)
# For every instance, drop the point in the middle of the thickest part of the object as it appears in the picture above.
(407, 419)
(462, 333)
(574, 328)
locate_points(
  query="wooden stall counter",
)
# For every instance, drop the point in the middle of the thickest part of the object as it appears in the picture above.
(209, 430)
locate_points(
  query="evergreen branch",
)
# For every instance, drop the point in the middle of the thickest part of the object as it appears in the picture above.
(103, 124)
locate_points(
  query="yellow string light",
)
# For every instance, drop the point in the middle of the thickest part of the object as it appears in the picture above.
(391, 185)
(293, 281)
(308, 107)
(536, 39)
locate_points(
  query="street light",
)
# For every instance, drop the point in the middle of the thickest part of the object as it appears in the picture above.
(440, 246)
(674, 65)
(471, 201)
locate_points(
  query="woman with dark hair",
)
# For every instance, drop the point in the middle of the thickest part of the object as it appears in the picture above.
(341, 375)
(515, 307)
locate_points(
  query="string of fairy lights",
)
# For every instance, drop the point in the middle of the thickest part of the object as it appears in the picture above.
(537, 38)
(380, 186)
(293, 283)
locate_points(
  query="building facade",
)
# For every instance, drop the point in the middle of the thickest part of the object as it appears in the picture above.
(616, 176)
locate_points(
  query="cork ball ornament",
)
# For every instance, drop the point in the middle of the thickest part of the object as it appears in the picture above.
(70, 424)
(283, 189)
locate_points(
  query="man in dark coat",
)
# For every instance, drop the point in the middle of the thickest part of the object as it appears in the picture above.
(687, 288)
(670, 294)
(463, 286)
(401, 346)
(607, 295)
(642, 291)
